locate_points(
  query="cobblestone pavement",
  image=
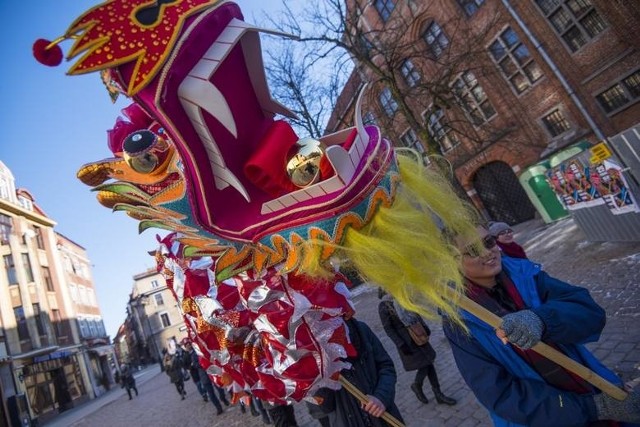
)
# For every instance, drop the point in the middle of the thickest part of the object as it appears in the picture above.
(609, 270)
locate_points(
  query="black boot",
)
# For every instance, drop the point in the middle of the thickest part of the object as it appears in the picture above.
(417, 389)
(442, 398)
(253, 409)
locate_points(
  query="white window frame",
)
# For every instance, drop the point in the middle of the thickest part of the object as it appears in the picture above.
(574, 21)
(436, 39)
(410, 73)
(164, 313)
(384, 8)
(387, 102)
(444, 131)
(624, 89)
(470, 7)
(410, 140)
(467, 96)
(528, 69)
(155, 299)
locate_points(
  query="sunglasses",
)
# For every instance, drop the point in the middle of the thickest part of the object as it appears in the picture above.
(504, 232)
(474, 251)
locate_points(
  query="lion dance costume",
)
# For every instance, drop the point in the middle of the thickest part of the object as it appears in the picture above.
(252, 250)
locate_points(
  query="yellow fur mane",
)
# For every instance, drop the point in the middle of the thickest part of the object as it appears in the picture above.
(406, 249)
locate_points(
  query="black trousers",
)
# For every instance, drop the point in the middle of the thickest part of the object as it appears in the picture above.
(430, 372)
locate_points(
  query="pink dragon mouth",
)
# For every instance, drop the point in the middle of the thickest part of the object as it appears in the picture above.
(213, 100)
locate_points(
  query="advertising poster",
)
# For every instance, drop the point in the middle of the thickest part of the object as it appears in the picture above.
(584, 180)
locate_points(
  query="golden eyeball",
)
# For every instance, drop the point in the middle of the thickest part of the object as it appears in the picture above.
(303, 168)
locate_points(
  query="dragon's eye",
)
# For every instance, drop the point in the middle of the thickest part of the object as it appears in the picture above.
(137, 151)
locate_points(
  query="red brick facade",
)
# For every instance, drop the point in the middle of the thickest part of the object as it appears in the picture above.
(516, 134)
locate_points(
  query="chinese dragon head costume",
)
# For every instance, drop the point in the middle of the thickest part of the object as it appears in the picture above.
(259, 220)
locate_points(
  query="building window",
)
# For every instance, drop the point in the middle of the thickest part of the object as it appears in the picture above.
(46, 277)
(159, 300)
(368, 118)
(91, 298)
(27, 267)
(389, 105)
(384, 8)
(164, 318)
(39, 237)
(621, 94)
(472, 98)
(38, 316)
(84, 327)
(26, 203)
(92, 328)
(556, 123)
(154, 284)
(409, 72)
(410, 139)
(21, 322)
(5, 228)
(441, 131)
(73, 291)
(436, 39)
(515, 61)
(10, 267)
(57, 323)
(470, 6)
(82, 292)
(576, 21)
(4, 188)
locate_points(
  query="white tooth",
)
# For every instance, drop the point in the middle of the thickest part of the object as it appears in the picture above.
(208, 97)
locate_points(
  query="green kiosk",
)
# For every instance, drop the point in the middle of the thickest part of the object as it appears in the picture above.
(534, 182)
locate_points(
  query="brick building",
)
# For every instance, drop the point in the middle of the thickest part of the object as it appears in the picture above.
(552, 77)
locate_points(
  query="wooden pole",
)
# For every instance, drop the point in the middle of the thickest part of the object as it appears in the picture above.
(548, 352)
(390, 419)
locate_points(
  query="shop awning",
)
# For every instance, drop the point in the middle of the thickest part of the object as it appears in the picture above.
(103, 350)
(38, 352)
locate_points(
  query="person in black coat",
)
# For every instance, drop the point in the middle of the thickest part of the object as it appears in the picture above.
(373, 373)
(127, 380)
(414, 356)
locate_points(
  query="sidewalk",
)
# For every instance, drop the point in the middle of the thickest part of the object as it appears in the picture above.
(71, 416)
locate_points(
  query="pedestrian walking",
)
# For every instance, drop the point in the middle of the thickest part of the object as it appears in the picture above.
(517, 385)
(200, 375)
(173, 368)
(126, 379)
(410, 334)
(191, 364)
(504, 237)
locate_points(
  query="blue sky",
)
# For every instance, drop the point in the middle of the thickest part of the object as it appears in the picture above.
(52, 124)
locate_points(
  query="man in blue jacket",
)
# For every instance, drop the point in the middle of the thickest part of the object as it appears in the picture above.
(518, 386)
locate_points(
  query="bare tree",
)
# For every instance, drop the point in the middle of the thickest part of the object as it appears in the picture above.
(413, 81)
(308, 87)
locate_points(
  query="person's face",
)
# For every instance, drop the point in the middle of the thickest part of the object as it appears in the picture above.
(505, 236)
(481, 260)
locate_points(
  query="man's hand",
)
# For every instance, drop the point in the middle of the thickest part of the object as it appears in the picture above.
(374, 406)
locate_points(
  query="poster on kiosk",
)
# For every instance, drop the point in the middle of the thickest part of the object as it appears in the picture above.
(592, 178)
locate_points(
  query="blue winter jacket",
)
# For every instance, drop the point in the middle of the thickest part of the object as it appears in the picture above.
(506, 385)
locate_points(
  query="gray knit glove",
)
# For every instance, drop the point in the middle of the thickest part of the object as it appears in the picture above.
(626, 411)
(523, 328)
